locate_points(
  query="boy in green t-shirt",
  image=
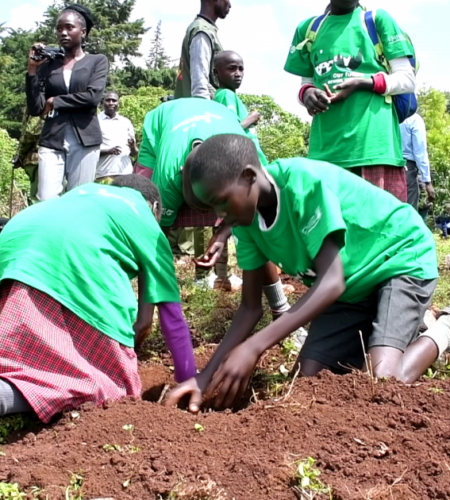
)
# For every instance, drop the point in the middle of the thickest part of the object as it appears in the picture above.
(229, 70)
(368, 258)
(170, 133)
(349, 93)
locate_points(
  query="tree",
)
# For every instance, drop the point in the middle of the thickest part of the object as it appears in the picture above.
(14, 47)
(136, 106)
(133, 77)
(8, 148)
(157, 58)
(433, 107)
(281, 134)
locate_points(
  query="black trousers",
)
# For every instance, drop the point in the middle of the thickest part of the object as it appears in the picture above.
(412, 180)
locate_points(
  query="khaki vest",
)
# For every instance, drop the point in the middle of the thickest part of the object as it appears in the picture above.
(183, 83)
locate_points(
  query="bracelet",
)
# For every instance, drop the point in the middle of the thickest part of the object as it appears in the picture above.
(303, 90)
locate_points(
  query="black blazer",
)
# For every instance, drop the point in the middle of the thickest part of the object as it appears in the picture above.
(77, 106)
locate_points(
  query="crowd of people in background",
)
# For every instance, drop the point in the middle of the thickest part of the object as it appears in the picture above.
(67, 261)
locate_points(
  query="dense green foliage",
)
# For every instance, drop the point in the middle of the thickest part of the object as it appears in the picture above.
(434, 107)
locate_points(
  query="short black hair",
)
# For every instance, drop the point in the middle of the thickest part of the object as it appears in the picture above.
(221, 57)
(221, 159)
(140, 183)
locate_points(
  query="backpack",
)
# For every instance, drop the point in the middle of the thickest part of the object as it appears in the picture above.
(405, 104)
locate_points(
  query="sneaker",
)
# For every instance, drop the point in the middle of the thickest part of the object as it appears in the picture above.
(235, 281)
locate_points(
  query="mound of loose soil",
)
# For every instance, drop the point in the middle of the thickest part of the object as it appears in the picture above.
(392, 442)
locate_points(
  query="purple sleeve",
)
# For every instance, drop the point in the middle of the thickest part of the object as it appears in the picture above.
(178, 339)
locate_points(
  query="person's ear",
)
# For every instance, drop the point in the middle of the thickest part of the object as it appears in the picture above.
(216, 73)
(249, 175)
(156, 209)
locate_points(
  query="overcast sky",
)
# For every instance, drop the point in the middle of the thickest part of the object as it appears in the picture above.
(261, 31)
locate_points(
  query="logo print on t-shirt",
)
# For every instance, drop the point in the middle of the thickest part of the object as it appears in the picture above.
(313, 222)
(343, 63)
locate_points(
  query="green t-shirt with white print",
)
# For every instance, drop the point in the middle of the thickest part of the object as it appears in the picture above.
(364, 129)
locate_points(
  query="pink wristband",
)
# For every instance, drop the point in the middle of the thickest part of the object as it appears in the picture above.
(379, 83)
(303, 90)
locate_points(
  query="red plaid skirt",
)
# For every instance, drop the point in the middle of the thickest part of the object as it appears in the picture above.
(57, 360)
(391, 179)
(187, 217)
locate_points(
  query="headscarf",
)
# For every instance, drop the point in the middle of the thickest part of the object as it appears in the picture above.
(84, 12)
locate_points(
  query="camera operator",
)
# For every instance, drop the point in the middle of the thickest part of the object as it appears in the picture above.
(66, 88)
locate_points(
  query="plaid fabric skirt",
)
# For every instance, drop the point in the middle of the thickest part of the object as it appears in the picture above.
(391, 179)
(57, 360)
(187, 217)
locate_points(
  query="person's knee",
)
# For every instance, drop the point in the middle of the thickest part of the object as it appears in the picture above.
(309, 367)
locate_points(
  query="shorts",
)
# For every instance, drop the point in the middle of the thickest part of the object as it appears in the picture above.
(390, 317)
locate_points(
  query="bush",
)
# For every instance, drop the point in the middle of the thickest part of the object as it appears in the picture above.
(8, 149)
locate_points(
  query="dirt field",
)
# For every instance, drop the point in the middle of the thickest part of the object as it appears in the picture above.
(371, 442)
(368, 440)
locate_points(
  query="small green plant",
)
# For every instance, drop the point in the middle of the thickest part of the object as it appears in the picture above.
(437, 390)
(10, 491)
(11, 424)
(308, 485)
(74, 491)
(128, 428)
(121, 449)
(289, 348)
(199, 428)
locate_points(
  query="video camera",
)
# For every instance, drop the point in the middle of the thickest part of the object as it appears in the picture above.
(50, 53)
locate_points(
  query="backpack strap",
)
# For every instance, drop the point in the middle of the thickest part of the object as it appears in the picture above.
(369, 23)
(312, 32)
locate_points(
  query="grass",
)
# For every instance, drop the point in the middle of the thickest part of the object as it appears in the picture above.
(10, 491)
(442, 294)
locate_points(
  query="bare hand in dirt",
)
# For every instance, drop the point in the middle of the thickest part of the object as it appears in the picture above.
(32, 64)
(215, 248)
(194, 388)
(316, 101)
(233, 376)
(141, 333)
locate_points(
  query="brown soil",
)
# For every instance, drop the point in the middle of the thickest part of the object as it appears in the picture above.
(390, 443)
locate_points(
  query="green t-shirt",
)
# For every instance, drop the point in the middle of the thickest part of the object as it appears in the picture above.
(232, 101)
(364, 129)
(380, 237)
(82, 249)
(171, 129)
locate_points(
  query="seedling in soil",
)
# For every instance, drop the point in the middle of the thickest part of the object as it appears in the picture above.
(74, 491)
(437, 390)
(128, 428)
(126, 483)
(199, 428)
(11, 424)
(289, 349)
(125, 449)
(309, 486)
(10, 491)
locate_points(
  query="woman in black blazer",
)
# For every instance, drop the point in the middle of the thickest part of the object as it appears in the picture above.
(68, 91)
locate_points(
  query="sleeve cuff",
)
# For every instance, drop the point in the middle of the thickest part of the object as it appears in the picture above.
(379, 83)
